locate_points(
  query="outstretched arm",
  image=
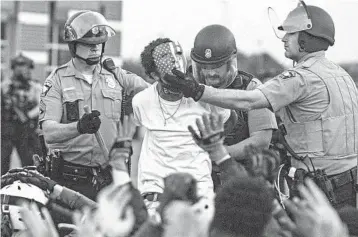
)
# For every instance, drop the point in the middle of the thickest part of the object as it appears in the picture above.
(235, 99)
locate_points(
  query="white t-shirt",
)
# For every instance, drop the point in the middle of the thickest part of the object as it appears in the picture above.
(168, 146)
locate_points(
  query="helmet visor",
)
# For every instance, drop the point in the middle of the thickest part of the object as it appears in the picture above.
(88, 24)
(214, 75)
(297, 20)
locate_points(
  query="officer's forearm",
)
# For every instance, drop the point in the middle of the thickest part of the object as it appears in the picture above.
(260, 139)
(55, 132)
(71, 198)
(235, 99)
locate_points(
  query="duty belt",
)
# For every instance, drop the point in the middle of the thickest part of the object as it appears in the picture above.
(341, 179)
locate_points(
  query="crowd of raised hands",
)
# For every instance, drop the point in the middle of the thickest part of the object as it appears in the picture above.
(244, 206)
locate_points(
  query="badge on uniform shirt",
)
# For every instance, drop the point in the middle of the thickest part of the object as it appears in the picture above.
(110, 82)
(287, 74)
(46, 87)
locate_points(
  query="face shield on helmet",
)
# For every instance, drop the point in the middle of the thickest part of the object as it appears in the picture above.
(11, 198)
(169, 56)
(215, 75)
(297, 20)
(88, 28)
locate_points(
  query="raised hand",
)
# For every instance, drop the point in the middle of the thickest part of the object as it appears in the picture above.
(210, 139)
(313, 215)
(85, 224)
(36, 226)
(114, 214)
(261, 162)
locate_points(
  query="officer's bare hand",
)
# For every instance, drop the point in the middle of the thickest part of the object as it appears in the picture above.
(114, 214)
(36, 225)
(211, 135)
(89, 123)
(313, 215)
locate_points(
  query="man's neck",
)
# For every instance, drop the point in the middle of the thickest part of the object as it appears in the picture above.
(83, 67)
(168, 96)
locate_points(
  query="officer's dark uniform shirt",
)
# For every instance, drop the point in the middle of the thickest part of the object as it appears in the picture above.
(251, 121)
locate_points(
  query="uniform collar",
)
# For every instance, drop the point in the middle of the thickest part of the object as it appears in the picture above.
(72, 71)
(310, 58)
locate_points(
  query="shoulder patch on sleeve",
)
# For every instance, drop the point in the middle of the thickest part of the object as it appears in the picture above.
(287, 74)
(46, 87)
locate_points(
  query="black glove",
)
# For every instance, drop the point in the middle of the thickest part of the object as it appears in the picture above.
(89, 123)
(35, 178)
(185, 84)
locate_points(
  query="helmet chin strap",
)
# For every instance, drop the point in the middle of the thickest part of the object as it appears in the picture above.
(90, 61)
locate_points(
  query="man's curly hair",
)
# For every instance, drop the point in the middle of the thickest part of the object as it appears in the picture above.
(146, 56)
(243, 207)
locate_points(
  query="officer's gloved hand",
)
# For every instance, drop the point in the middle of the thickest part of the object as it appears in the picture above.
(187, 85)
(37, 179)
(89, 123)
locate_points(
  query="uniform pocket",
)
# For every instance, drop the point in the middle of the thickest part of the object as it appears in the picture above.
(112, 103)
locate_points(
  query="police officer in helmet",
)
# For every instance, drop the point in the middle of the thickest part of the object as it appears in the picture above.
(84, 81)
(19, 113)
(316, 100)
(214, 63)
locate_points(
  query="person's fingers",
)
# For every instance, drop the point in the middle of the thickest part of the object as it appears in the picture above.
(317, 193)
(291, 208)
(194, 134)
(200, 125)
(220, 122)
(76, 217)
(28, 218)
(307, 195)
(49, 222)
(178, 73)
(207, 125)
(213, 117)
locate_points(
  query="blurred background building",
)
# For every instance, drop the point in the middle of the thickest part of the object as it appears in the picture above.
(35, 28)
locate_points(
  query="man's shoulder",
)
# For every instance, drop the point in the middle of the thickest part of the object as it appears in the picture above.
(290, 74)
(59, 70)
(146, 95)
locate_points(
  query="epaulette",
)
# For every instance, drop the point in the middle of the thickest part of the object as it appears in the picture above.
(55, 71)
(287, 74)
